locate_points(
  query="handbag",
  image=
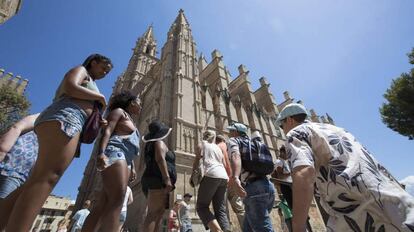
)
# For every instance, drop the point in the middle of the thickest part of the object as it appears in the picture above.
(92, 125)
(198, 173)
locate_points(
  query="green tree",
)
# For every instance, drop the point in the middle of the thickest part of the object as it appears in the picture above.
(398, 112)
(13, 106)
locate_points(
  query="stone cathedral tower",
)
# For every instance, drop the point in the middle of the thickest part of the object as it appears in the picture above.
(189, 95)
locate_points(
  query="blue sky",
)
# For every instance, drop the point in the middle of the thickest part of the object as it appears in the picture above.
(338, 57)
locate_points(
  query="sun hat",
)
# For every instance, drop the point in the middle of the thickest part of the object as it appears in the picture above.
(157, 131)
(290, 110)
(239, 127)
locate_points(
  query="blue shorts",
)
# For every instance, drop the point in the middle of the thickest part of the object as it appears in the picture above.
(114, 154)
(71, 116)
(8, 184)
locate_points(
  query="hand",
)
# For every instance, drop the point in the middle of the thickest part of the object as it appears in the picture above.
(102, 101)
(103, 123)
(168, 185)
(101, 161)
(133, 175)
(234, 183)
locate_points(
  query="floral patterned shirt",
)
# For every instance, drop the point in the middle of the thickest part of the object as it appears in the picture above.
(356, 191)
(21, 157)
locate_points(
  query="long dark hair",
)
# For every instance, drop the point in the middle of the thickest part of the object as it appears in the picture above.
(122, 100)
(98, 58)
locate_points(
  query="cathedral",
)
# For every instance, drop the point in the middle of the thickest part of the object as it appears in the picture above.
(189, 94)
(9, 8)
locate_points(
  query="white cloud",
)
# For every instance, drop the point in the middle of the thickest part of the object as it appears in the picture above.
(409, 184)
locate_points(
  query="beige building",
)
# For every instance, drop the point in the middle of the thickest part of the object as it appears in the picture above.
(8, 8)
(53, 211)
(15, 82)
(190, 94)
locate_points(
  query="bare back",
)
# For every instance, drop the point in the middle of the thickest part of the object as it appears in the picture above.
(125, 125)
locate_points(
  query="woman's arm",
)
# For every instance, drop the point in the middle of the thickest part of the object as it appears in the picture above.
(226, 160)
(72, 86)
(133, 174)
(160, 152)
(197, 156)
(8, 139)
(130, 197)
(113, 118)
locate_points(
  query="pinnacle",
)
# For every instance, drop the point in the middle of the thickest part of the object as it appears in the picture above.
(181, 19)
(148, 35)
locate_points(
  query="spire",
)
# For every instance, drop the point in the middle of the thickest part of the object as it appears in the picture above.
(146, 43)
(179, 26)
(181, 20)
(148, 35)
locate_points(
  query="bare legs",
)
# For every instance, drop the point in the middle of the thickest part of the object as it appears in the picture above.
(6, 206)
(106, 214)
(156, 207)
(56, 152)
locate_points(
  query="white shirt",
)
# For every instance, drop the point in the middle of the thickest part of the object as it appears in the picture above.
(79, 219)
(355, 189)
(213, 161)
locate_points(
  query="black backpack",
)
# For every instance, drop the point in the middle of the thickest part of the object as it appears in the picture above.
(255, 156)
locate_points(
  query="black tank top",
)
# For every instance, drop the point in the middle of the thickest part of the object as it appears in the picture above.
(152, 169)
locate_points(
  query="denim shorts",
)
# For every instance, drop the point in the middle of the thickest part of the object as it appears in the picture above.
(114, 154)
(71, 116)
(8, 184)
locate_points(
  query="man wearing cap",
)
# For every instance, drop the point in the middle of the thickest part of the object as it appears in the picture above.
(184, 214)
(353, 187)
(258, 191)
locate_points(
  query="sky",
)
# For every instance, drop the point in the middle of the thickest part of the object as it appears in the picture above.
(338, 57)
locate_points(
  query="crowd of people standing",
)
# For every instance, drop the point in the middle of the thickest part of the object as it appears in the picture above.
(321, 160)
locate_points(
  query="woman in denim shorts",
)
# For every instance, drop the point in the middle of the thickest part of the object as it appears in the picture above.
(58, 129)
(118, 147)
(18, 154)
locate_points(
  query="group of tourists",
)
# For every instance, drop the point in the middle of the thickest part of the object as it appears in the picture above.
(320, 160)
(36, 151)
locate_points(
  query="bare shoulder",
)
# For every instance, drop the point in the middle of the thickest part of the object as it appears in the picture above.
(115, 115)
(161, 145)
(77, 73)
(78, 69)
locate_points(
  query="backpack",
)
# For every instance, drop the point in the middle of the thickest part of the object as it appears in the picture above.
(255, 157)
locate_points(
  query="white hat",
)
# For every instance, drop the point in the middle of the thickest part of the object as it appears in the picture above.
(290, 110)
(256, 134)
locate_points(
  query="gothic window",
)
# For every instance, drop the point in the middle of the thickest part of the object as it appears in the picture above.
(203, 101)
(185, 141)
(5, 4)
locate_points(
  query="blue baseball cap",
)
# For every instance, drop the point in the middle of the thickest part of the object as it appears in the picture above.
(290, 110)
(239, 127)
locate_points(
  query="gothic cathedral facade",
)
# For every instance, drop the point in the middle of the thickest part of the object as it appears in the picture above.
(189, 95)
